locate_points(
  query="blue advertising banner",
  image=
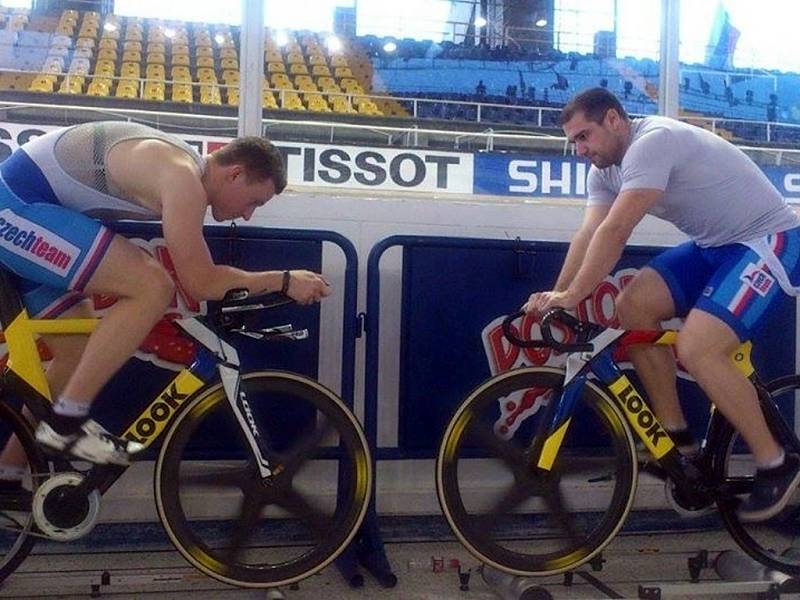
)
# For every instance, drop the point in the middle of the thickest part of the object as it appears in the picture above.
(553, 177)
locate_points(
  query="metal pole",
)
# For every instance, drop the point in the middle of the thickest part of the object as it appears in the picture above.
(251, 67)
(669, 68)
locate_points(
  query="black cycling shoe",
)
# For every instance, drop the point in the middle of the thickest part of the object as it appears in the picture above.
(772, 490)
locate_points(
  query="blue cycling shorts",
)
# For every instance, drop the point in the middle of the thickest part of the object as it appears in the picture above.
(52, 249)
(730, 282)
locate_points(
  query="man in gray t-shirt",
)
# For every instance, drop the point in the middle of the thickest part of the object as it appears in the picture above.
(743, 257)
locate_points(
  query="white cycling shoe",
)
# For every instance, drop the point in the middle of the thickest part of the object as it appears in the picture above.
(93, 443)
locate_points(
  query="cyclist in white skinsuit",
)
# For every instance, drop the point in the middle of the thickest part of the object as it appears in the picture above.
(60, 195)
(743, 258)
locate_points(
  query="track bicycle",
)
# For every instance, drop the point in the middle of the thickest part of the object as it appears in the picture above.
(530, 498)
(285, 499)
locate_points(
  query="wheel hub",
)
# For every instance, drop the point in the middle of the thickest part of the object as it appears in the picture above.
(60, 512)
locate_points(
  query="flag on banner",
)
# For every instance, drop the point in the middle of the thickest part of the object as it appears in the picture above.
(722, 43)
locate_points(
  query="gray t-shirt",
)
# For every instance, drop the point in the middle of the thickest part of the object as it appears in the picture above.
(712, 191)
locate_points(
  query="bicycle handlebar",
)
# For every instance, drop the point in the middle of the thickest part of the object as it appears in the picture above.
(581, 328)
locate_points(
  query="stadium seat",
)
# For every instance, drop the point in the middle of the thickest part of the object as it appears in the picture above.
(180, 49)
(291, 101)
(181, 74)
(298, 69)
(98, 87)
(155, 57)
(180, 60)
(85, 42)
(317, 59)
(340, 104)
(130, 70)
(108, 43)
(53, 64)
(104, 68)
(320, 70)
(295, 57)
(106, 54)
(43, 83)
(268, 100)
(340, 72)
(206, 75)
(209, 94)
(280, 80)
(229, 63)
(155, 71)
(132, 56)
(134, 34)
(274, 67)
(156, 47)
(232, 95)
(230, 77)
(132, 46)
(182, 92)
(273, 56)
(80, 66)
(127, 88)
(228, 53)
(204, 51)
(317, 103)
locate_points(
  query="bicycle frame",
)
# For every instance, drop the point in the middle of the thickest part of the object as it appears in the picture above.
(24, 375)
(600, 362)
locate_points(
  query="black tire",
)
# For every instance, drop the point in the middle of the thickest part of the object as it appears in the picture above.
(522, 540)
(775, 542)
(16, 518)
(273, 533)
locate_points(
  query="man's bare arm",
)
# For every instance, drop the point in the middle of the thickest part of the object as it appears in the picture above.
(592, 218)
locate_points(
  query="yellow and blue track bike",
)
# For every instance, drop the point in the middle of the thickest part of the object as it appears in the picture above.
(527, 496)
(286, 497)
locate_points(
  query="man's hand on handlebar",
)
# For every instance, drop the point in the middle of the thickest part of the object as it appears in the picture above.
(540, 302)
(306, 287)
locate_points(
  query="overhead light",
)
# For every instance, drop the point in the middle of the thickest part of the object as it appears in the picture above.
(480, 22)
(281, 38)
(389, 47)
(541, 22)
(334, 44)
(109, 26)
(219, 38)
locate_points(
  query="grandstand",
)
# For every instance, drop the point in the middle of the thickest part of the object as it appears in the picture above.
(194, 66)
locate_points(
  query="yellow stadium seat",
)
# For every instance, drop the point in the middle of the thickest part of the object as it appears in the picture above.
(104, 68)
(180, 60)
(69, 13)
(156, 35)
(273, 56)
(209, 94)
(108, 43)
(112, 34)
(132, 46)
(317, 103)
(230, 77)
(233, 97)
(317, 59)
(180, 49)
(341, 105)
(291, 101)
(280, 80)
(298, 69)
(53, 64)
(42, 83)
(72, 84)
(127, 89)
(182, 92)
(206, 75)
(181, 74)
(154, 90)
(205, 61)
(90, 32)
(181, 38)
(228, 53)
(155, 57)
(337, 60)
(274, 67)
(131, 70)
(85, 42)
(155, 71)
(106, 54)
(339, 72)
(131, 56)
(320, 70)
(229, 63)
(98, 89)
(268, 100)
(204, 51)
(156, 47)
(86, 53)
(65, 29)
(294, 57)
(202, 40)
